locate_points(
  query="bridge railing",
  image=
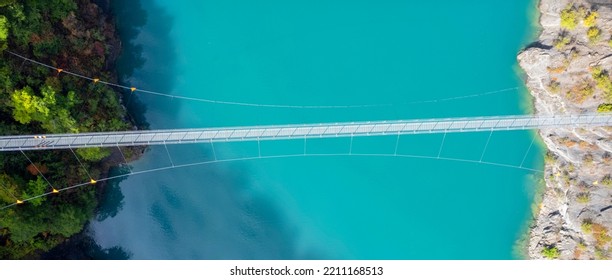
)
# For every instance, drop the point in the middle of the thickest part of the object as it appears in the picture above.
(256, 133)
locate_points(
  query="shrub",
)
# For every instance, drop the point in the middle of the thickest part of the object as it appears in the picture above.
(580, 92)
(604, 108)
(588, 158)
(561, 41)
(585, 91)
(607, 181)
(582, 11)
(554, 86)
(594, 34)
(569, 18)
(589, 20)
(600, 254)
(93, 154)
(556, 70)
(602, 78)
(600, 233)
(587, 226)
(583, 198)
(550, 157)
(551, 252)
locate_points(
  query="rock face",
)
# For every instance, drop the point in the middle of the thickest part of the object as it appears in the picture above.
(575, 217)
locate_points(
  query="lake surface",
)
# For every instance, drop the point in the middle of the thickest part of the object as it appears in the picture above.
(413, 59)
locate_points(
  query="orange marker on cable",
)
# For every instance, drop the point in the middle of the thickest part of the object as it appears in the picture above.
(133, 89)
(59, 70)
(19, 201)
(96, 80)
(55, 191)
(92, 181)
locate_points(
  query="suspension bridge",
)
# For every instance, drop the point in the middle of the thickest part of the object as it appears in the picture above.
(22, 143)
(279, 132)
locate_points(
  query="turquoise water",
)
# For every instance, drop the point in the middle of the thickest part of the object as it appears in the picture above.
(325, 53)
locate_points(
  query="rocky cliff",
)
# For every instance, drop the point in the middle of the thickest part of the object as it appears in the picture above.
(568, 71)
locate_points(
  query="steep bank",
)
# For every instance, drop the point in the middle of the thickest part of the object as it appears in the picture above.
(568, 71)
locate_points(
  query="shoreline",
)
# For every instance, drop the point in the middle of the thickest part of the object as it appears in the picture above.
(577, 159)
(89, 44)
(82, 245)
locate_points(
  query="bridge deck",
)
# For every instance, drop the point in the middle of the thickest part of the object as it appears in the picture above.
(255, 133)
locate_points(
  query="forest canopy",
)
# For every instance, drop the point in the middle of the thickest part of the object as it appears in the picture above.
(70, 34)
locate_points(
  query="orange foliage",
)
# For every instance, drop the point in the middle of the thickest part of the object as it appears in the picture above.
(577, 253)
(600, 233)
(556, 70)
(32, 169)
(586, 145)
(569, 143)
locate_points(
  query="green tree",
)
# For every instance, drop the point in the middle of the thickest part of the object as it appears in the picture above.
(6, 83)
(54, 117)
(22, 227)
(35, 188)
(68, 222)
(93, 154)
(38, 99)
(6, 2)
(28, 107)
(62, 122)
(3, 28)
(3, 32)
(8, 189)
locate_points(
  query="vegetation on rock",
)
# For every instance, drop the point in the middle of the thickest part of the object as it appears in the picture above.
(563, 40)
(551, 252)
(607, 181)
(583, 197)
(589, 20)
(604, 108)
(587, 226)
(602, 78)
(577, 168)
(554, 86)
(594, 34)
(569, 18)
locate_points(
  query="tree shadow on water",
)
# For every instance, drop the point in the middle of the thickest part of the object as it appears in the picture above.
(83, 247)
(111, 197)
(148, 55)
(129, 17)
